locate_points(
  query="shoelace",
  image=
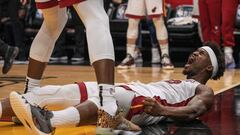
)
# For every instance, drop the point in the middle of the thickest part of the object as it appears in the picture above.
(44, 111)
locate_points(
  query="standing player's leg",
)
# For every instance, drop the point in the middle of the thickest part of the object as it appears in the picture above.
(55, 19)
(101, 51)
(132, 35)
(155, 10)
(204, 19)
(162, 36)
(135, 11)
(214, 8)
(229, 10)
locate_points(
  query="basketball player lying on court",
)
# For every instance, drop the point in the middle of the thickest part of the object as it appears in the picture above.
(141, 104)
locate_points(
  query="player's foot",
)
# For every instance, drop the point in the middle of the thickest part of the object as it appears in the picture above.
(155, 56)
(128, 62)
(9, 57)
(166, 62)
(138, 57)
(105, 123)
(229, 61)
(124, 124)
(34, 119)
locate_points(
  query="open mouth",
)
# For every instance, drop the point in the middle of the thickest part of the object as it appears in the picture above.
(190, 60)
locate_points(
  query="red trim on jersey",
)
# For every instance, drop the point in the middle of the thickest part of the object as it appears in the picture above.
(134, 16)
(48, 4)
(83, 91)
(65, 3)
(53, 3)
(137, 105)
(155, 16)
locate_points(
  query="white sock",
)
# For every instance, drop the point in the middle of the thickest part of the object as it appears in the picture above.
(0, 110)
(164, 49)
(31, 83)
(228, 51)
(65, 118)
(108, 101)
(131, 49)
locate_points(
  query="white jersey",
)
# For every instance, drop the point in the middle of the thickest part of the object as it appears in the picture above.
(169, 93)
(174, 91)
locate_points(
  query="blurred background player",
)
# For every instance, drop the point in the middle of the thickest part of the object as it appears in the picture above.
(229, 10)
(217, 20)
(136, 10)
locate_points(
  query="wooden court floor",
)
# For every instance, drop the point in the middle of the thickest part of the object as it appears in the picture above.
(58, 75)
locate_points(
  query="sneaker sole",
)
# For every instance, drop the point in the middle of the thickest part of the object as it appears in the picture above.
(168, 67)
(126, 67)
(23, 112)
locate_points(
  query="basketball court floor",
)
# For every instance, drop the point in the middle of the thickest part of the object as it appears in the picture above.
(223, 119)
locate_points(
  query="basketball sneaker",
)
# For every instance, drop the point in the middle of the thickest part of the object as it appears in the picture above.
(155, 56)
(9, 57)
(138, 57)
(229, 61)
(166, 62)
(35, 119)
(128, 62)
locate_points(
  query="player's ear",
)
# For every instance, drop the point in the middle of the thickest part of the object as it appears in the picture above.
(209, 69)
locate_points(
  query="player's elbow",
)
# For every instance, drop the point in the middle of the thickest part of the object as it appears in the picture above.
(198, 112)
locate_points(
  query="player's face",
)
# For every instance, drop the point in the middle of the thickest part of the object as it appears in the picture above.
(197, 62)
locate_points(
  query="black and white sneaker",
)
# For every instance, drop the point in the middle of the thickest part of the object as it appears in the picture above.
(35, 119)
(9, 57)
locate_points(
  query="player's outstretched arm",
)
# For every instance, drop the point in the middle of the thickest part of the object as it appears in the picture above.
(199, 104)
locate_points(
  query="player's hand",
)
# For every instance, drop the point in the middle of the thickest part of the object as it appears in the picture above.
(152, 107)
(24, 2)
(117, 1)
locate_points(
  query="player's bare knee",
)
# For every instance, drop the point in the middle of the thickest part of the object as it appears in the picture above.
(132, 32)
(161, 29)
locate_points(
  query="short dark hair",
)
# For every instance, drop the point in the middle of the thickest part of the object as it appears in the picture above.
(220, 58)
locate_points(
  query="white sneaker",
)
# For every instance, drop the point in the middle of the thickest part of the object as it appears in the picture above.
(128, 62)
(229, 61)
(138, 57)
(155, 56)
(166, 62)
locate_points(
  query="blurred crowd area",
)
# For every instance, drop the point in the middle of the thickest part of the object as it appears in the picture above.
(19, 25)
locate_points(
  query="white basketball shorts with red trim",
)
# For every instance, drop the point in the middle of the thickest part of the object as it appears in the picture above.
(44, 4)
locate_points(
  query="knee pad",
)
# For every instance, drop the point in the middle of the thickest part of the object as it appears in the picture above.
(95, 19)
(54, 97)
(53, 24)
(132, 32)
(161, 30)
